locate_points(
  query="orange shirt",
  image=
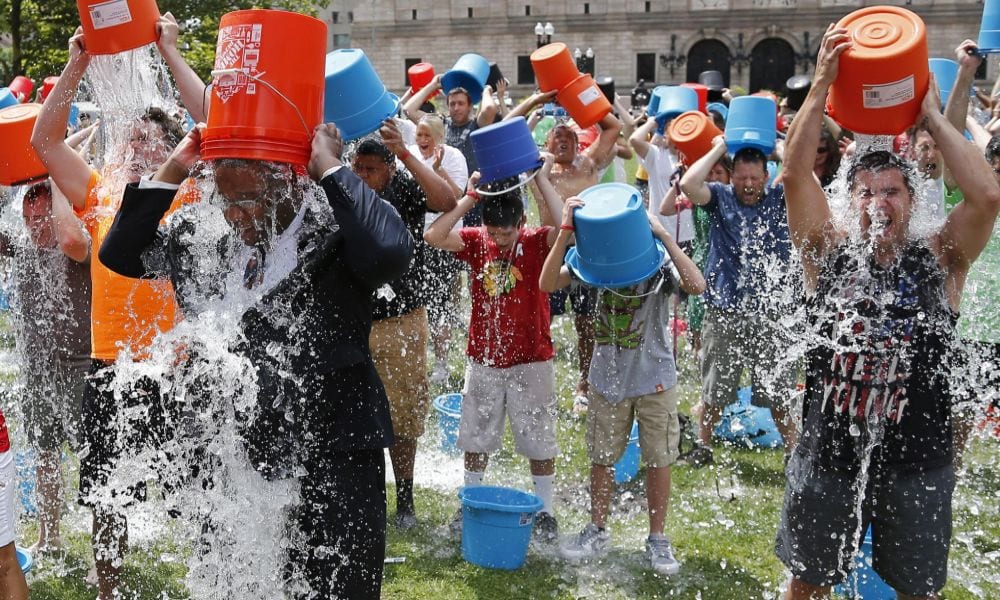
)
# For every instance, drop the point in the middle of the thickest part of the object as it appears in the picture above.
(125, 312)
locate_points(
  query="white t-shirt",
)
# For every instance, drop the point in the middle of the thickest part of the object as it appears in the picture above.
(453, 163)
(660, 166)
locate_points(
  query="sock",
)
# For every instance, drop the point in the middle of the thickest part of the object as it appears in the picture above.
(657, 536)
(543, 489)
(404, 496)
(473, 479)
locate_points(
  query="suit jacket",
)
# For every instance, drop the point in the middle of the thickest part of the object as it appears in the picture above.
(307, 338)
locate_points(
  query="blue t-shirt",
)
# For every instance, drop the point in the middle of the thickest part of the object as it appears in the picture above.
(748, 250)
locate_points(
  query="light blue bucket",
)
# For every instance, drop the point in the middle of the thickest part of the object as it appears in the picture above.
(674, 101)
(470, 72)
(449, 410)
(24, 559)
(355, 99)
(945, 73)
(505, 149)
(718, 107)
(751, 124)
(744, 423)
(496, 525)
(989, 29)
(615, 246)
(7, 98)
(864, 583)
(627, 466)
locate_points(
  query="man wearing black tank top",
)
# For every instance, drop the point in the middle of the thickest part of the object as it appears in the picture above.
(876, 444)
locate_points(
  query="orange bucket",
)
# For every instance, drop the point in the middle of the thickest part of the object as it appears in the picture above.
(692, 133)
(883, 77)
(584, 101)
(113, 26)
(267, 87)
(419, 75)
(18, 162)
(554, 67)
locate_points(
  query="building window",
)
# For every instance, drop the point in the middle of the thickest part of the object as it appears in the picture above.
(527, 10)
(470, 12)
(350, 16)
(341, 40)
(413, 15)
(645, 66)
(525, 74)
(407, 63)
(335, 17)
(649, 6)
(586, 8)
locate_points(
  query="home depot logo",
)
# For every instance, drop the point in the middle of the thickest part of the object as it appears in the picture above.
(237, 56)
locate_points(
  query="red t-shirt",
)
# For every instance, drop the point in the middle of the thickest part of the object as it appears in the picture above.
(4, 440)
(510, 314)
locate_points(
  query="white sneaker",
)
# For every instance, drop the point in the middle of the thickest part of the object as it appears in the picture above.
(660, 554)
(440, 373)
(589, 543)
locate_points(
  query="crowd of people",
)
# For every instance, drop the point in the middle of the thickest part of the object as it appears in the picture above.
(345, 274)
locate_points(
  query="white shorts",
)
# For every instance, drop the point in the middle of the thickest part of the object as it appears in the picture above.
(8, 492)
(525, 394)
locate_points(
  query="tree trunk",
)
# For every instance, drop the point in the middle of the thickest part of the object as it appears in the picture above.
(15, 35)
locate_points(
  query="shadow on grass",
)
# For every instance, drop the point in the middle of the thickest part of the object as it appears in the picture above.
(758, 468)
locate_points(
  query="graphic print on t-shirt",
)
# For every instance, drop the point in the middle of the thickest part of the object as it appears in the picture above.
(616, 324)
(500, 277)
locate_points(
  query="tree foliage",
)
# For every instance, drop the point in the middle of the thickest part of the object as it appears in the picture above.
(37, 31)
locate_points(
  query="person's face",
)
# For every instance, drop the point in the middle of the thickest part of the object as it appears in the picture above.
(562, 144)
(822, 154)
(459, 108)
(504, 237)
(148, 149)
(373, 171)
(246, 204)
(425, 139)
(718, 174)
(928, 157)
(38, 219)
(884, 205)
(748, 181)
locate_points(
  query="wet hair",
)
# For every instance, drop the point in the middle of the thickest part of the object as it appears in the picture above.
(993, 148)
(38, 193)
(727, 163)
(373, 147)
(718, 119)
(436, 125)
(880, 160)
(562, 125)
(750, 156)
(460, 90)
(505, 210)
(170, 127)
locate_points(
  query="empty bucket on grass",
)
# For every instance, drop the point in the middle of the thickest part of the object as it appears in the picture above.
(584, 101)
(627, 466)
(692, 133)
(449, 410)
(615, 246)
(470, 72)
(113, 26)
(419, 76)
(496, 525)
(751, 124)
(989, 28)
(356, 99)
(883, 76)
(267, 87)
(554, 67)
(505, 149)
(746, 424)
(19, 164)
(863, 583)
(24, 559)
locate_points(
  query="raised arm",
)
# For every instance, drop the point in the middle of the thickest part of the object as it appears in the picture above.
(809, 215)
(693, 183)
(958, 100)
(73, 239)
(550, 204)
(68, 169)
(190, 86)
(639, 140)
(487, 108)
(555, 274)
(526, 105)
(502, 98)
(603, 151)
(441, 233)
(412, 106)
(440, 195)
(692, 281)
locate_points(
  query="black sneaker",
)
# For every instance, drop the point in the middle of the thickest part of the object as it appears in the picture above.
(546, 528)
(405, 521)
(699, 456)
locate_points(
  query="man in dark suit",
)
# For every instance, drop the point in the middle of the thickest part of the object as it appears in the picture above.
(301, 270)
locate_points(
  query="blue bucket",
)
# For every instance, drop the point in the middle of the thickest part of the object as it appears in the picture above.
(74, 116)
(7, 98)
(24, 559)
(751, 124)
(505, 149)
(864, 583)
(24, 465)
(627, 466)
(615, 246)
(496, 525)
(449, 410)
(744, 423)
(989, 29)
(718, 107)
(945, 73)
(674, 101)
(355, 99)
(470, 72)
(655, 95)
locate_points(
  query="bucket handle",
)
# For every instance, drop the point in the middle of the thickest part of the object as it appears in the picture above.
(633, 201)
(234, 71)
(513, 187)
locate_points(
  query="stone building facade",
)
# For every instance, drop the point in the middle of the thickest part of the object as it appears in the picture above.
(755, 43)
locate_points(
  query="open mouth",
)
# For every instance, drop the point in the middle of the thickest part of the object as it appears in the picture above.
(881, 223)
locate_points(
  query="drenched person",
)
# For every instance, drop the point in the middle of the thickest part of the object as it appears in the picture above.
(399, 330)
(302, 272)
(125, 315)
(882, 298)
(52, 328)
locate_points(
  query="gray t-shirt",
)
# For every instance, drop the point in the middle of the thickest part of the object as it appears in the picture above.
(634, 354)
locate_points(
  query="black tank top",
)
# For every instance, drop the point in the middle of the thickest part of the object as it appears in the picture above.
(878, 367)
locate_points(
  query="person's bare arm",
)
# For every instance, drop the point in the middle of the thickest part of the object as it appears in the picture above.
(603, 151)
(555, 275)
(639, 140)
(487, 108)
(549, 201)
(693, 183)
(526, 105)
(502, 98)
(412, 106)
(440, 234)
(979, 135)
(67, 168)
(809, 215)
(692, 281)
(73, 239)
(440, 196)
(192, 89)
(958, 100)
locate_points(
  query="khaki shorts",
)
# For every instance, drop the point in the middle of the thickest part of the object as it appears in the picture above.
(399, 349)
(525, 394)
(609, 426)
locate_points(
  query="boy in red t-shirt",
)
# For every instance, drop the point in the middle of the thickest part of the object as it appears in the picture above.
(510, 370)
(12, 584)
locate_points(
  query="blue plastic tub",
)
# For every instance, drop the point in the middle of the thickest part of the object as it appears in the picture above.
(751, 123)
(744, 423)
(989, 28)
(496, 525)
(505, 149)
(627, 466)
(449, 410)
(24, 559)
(355, 99)
(7, 98)
(470, 72)
(864, 583)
